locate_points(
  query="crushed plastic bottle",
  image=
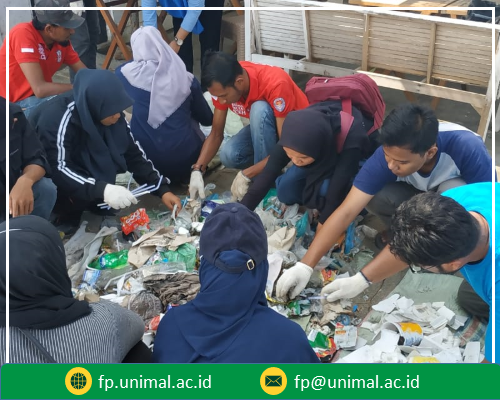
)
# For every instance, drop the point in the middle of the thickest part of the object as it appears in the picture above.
(111, 260)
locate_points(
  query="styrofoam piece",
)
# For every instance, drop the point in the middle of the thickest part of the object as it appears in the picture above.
(387, 305)
(388, 341)
(452, 355)
(438, 304)
(404, 303)
(460, 321)
(429, 343)
(471, 353)
(439, 322)
(448, 314)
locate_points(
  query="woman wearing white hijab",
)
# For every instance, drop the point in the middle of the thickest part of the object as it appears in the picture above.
(168, 104)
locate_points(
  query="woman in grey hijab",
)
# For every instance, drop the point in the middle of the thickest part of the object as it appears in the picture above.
(168, 104)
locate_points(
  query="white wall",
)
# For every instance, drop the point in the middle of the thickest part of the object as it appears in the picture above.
(14, 16)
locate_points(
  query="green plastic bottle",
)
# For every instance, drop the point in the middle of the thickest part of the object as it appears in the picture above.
(111, 260)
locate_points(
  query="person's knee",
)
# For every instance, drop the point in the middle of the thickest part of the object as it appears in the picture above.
(230, 157)
(47, 190)
(285, 195)
(260, 110)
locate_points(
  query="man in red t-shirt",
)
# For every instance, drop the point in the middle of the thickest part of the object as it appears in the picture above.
(37, 50)
(261, 93)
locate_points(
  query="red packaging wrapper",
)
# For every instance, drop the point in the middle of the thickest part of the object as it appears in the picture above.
(153, 324)
(132, 221)
(326, 355)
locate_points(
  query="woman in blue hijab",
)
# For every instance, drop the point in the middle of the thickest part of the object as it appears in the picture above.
(229, 320)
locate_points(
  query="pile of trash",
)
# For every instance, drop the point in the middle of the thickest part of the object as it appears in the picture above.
(290, 233)
(414, 333)
(147, 262)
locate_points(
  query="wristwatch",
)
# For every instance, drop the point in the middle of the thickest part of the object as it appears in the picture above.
(178, 41)
(197, 167)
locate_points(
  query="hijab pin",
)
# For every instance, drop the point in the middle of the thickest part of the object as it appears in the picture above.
(250, 264)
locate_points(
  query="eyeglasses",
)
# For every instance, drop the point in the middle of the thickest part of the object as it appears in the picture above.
(439, 268)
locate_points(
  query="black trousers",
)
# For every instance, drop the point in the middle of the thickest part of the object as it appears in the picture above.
(85, 38)
(209, 38)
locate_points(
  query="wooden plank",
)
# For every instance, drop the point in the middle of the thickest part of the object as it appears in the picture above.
(475, 99)
(347, 42)
(430, 58)
(331, 30)
(397, 59)
(307, 38)
(455, 48)
(472, 68)
(464, 40)
(256, 30)
(417, 51)
(458, 79)
(366, 41)
(279, 35)
(479, 64)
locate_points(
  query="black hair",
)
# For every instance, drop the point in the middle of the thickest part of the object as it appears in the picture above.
(410, 126)
(220, 67)
(430, 229)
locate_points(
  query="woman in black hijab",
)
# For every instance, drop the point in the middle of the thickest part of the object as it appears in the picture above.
(46, 323)
(88, 142)
(321, 175)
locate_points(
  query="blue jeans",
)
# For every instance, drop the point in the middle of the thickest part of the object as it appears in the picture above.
(30, 103)
(254, 142)
(45, 194)
(290, 186)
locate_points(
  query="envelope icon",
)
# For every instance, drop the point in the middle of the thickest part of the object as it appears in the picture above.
(273, 380)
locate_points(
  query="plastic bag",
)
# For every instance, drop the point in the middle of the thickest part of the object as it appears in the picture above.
(186, 253)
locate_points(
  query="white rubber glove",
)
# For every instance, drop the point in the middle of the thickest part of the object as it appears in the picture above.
(118, 197)
(240, 186)
(345, 288)
(196, 185)
(293, 280)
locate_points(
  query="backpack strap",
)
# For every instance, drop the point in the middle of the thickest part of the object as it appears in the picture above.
(39, 346)
(346, 121)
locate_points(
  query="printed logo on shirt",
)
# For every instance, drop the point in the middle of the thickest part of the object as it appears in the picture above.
(59, 56)
(78, 381)
(27, 50)
(279, 104)
(273, 381)
(41, 50)
(238, 108)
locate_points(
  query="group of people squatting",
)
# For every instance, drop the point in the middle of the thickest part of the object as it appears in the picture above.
(429, 181)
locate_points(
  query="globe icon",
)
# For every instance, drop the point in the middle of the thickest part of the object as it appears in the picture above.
(78, 380)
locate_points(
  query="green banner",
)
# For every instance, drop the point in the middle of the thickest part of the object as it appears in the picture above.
(255, 381)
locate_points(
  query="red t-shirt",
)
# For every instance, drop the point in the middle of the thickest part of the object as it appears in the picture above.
(270, 84)
(26, 45)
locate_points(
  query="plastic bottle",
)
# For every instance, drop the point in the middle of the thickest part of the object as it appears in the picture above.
(111, 260)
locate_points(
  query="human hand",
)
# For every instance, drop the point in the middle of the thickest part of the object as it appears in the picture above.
(171, 200)
(293, 280)
(196, 185)
(118, 197)
(21, 198)
(239, 186)
(175, 47)
(345, 288)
